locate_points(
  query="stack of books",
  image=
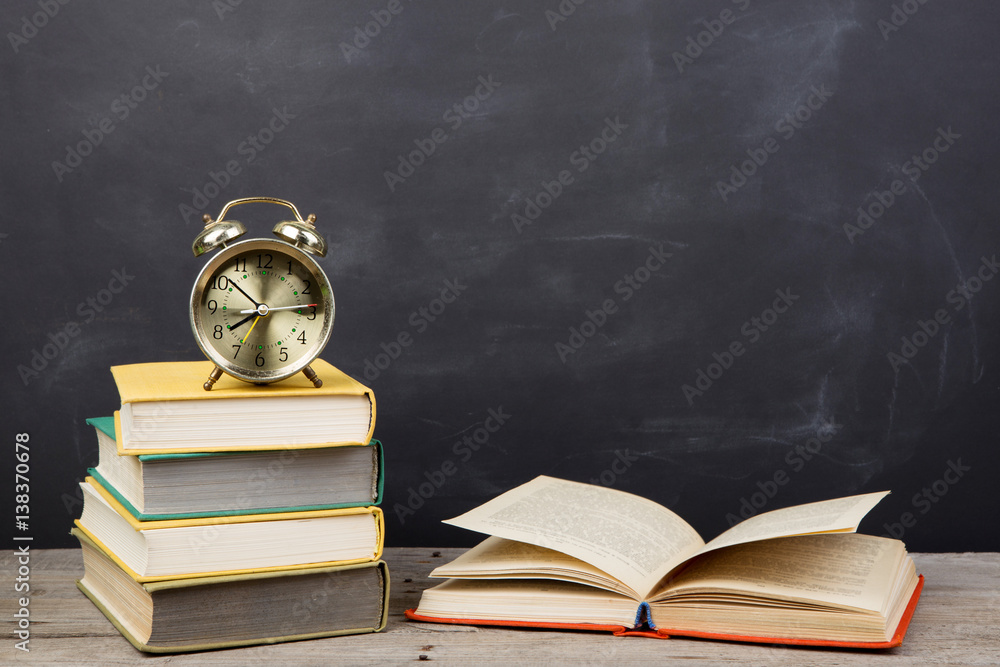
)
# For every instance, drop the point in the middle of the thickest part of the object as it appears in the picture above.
(244, 515)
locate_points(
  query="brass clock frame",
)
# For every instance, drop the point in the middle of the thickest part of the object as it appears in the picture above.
(298, 239)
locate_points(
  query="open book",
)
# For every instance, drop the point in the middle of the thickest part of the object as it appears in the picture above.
(569, 555)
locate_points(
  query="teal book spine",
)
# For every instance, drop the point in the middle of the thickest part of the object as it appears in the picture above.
(141, 516)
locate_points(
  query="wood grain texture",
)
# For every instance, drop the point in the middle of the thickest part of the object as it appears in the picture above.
(956, 623)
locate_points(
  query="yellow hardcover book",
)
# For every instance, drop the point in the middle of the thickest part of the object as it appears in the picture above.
(166, 410)
(214, 546)
(224, 611)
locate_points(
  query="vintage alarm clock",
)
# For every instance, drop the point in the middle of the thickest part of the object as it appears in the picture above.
(261, 309)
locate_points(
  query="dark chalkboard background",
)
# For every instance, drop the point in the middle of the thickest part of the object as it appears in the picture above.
(607, 403)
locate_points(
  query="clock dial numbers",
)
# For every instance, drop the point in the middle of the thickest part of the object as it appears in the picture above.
(281, 315)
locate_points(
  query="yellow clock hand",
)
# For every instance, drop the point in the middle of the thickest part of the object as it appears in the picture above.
(251, 329)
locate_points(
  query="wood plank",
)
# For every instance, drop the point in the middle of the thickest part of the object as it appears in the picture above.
(957, 622)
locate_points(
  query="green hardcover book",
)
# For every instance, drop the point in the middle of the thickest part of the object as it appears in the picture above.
(179, 486)
(224, 611)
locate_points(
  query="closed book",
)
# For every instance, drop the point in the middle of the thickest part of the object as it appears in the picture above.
(182, 548)
(178, 486)
(165, 410)
(229, 610)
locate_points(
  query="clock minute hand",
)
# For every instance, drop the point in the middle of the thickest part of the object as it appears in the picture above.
(270, 309)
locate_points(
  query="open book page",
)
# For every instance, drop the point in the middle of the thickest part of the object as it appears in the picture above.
(497, 558)
(532, 601)
(841, 515)
(632, 539)
(850, 570)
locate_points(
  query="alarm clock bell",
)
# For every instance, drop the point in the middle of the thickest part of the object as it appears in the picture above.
(275, 312)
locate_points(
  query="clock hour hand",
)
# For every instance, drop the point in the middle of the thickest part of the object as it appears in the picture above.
(236, 285)
(270, 309)
(244, 320)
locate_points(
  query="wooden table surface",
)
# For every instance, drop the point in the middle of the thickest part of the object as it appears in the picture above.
(957, 622)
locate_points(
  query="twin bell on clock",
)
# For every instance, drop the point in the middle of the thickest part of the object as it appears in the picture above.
(261, 309)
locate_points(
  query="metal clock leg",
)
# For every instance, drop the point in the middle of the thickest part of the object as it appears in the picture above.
(311, 374)
(213, 377)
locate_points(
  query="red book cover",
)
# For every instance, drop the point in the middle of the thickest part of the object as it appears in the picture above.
(666, 633)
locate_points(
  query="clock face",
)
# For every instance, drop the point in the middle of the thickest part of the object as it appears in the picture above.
(262, 310)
